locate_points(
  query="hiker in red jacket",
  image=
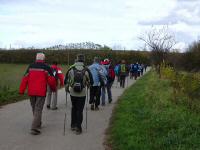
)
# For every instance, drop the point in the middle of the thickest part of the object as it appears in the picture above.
(37, 76)
(59, 76)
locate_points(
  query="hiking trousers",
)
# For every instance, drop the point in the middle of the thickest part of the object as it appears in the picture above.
(54, 98)
(95, 94)
(103, 92)
(109, 87)
(78, 104)
(37, 104)
(122, 81)
(103, 95)
(135, 75)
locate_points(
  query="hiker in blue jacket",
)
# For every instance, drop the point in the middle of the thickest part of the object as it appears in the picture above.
(135, 70)
(99, 79)
(116, 69)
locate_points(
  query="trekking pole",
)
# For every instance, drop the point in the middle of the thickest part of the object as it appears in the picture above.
(86, 108)
(127, 82)
(65, 118)
(116, 81)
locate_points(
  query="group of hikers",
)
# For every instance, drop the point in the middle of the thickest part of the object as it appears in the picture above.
(95, 79)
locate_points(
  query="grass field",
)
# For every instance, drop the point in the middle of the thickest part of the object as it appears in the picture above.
(11, 75)
(146, 119)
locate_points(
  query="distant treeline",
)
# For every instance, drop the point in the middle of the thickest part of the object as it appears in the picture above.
(188, 61)
(68, 56)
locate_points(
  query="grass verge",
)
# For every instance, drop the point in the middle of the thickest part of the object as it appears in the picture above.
(146, 119)
(11, 75)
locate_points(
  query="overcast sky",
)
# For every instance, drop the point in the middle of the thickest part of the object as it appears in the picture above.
(112, 22)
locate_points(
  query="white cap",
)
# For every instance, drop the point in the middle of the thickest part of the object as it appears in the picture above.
(40, 56)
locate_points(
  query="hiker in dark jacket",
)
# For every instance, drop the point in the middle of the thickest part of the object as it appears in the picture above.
(77, 80)
(37, 76)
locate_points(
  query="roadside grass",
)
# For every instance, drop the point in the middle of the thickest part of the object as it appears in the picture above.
(11, 75)
(146, 119)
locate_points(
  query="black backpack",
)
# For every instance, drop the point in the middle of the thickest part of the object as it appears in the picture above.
(78, 80)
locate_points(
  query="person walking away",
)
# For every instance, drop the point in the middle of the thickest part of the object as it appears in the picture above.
(139, 70)
(37, 77)
(123, 71)
(57, 72)
(116, 69)
(78, 79)
(131, 71)
(99, 79)
(135, 70)
(104, 65)
(110, 80)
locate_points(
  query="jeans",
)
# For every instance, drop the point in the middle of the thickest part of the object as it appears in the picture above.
(103, 92)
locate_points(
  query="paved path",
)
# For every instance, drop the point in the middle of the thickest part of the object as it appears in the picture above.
(15, 122)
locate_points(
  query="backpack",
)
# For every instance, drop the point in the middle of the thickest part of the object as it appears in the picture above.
(135, 67)
(78, 80)
(123, 69)
(111, 74)
(116, 69)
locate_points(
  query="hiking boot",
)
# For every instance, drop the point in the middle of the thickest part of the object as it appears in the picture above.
(73, 128)
(35, 132)
(110, 100)
(78, 131)
(96, 108)
(48, 107)
(90, 101)
(92, 107)
(55, 108)
(40, 125)
(103, 104)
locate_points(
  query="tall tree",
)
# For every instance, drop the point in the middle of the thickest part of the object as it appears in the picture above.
(160, 41)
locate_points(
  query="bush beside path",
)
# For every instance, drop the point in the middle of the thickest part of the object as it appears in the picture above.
(146, 118)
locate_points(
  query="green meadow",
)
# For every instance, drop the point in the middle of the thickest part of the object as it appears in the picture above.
(11, 75)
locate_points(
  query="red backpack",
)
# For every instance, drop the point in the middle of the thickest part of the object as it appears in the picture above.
(111, 74)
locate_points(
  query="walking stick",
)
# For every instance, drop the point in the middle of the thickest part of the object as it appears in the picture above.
(127, 81)
(65, 118)
(116, 82)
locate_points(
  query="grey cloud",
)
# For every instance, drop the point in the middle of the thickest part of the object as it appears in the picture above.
(170, 20)
(174, 17)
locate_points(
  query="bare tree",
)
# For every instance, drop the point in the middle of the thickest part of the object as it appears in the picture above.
(160, 42)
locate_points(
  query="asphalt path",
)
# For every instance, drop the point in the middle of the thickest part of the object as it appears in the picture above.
(15, 123)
